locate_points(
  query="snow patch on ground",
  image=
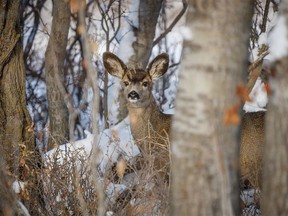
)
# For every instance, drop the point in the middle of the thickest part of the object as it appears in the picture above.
(113, 143)
(116, 142)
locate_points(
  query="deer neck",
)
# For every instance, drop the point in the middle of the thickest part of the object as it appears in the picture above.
(140, 117)
(145, 111)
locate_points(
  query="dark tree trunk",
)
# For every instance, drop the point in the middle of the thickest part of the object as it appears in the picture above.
(54, 67)
(14, 117)
(148, 16)
(16, 130)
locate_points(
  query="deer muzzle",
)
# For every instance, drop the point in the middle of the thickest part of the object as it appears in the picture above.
(133, 95)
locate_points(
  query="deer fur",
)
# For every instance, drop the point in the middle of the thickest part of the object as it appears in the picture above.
(251, 148)
(146, 120)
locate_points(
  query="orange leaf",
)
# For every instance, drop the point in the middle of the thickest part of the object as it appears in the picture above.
(74, 6)
(231, 116)
(243, 93)
(84, 64)
(267, 88)
(40, 136)
(22, 162)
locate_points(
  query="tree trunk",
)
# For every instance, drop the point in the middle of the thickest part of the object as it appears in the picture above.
(17, 140)
(205, 151)
(54, 67)
(8, 198)
(275, 160)
(275, 171)
(148, 16)
(14, 117)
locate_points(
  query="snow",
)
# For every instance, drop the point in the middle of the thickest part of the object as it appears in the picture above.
(25, 211)
(61, 153)
(17, 186)
(126, 33)
(259, 98)
(113, 143)
(248, 197)
(185, 32)
(278, 40)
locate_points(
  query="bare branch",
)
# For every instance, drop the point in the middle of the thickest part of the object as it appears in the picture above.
(265, 16)
(175, 21)
(91, 73)
(32, 35)
(255, 71)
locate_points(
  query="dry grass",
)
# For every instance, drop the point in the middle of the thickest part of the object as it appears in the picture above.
(147, 180)
(64, 185)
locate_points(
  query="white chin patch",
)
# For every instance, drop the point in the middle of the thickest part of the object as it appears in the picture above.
(133, 100)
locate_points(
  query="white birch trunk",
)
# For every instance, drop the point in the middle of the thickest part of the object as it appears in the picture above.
(275, 169)
(205, 179)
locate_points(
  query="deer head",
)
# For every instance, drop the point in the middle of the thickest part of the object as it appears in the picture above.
(136, 83)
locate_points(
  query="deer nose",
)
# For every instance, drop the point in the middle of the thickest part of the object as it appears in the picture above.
(133, 95)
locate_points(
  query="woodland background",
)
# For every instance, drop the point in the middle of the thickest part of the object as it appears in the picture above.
(53, 88)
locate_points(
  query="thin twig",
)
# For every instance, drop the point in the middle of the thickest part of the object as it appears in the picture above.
(91, 73)
(258, 61)
(265, 16)
(255, 71)
(175, 21)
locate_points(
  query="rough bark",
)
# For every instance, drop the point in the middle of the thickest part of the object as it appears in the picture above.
(54, 67)
(8, 198)
(148, 16)
(275, 171)
(16, 137)
(14, 115)
(205, 151)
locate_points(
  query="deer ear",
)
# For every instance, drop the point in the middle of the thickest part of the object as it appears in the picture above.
(159, 66)
(113, 65)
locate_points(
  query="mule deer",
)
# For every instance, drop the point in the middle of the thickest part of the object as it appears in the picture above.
(251, 148)
(146, 120)
(253, 125)
(253, 133)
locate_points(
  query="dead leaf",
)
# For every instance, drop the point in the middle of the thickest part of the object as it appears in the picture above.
(231, 116)
(267, 88)
(84, 64)
(30, 128)
(22, 162)
(115, 135)
(74, 6)
(120, 168)
(243, 93)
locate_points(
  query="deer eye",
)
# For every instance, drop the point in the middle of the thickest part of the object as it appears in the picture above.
(145, 84)
(126, 83)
